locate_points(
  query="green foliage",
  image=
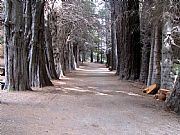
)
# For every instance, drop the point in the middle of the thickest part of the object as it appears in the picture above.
(176, 68)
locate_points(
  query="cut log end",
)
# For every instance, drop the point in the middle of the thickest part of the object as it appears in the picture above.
(162, 94)
(152, 89)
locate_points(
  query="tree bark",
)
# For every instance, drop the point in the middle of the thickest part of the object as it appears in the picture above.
(128, 35)
(121, 37)
(118, 13)
(56, 44)
(76, 54)
(113, 36)
(16, 77)
(145, 30)
(98, 53)
(173, 102)
(166, 68)
(92, 57)
(37, 69)
(134, 33)
(27, 34)
(156, 75)
(150, 71)
(49, 53)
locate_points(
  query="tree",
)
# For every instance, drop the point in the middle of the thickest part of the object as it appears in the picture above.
(50, 64)
(128, 40)
(37, 70)
(154, 75)
(16, 75)
(168, 42)
(145, 30)
(173, 102)
(113, 36)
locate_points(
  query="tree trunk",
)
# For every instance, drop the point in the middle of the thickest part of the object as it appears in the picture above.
(121, 37)
(156, 75)
(37, 70)
(27, 34)
(113, 36)
(16, 76)
(83, 56)
(73, 61)
(145, 41)
(166, 68)
(108, 33)
(134, 32)
(108, 58)
(76, 54)
(130, 49)
(101, 57)
(118, 13)
(150, 72)
(55, 44)
(49, 52)
(92, 56)
(98, 54)
(173, 102)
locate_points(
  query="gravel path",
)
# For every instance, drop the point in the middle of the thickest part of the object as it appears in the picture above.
(88, 101)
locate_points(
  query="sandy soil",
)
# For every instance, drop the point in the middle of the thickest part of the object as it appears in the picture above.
(88, 101)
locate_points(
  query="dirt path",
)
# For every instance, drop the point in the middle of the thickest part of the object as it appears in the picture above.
(89, 101)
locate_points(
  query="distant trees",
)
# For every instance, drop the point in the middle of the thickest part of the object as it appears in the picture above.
(74, 29)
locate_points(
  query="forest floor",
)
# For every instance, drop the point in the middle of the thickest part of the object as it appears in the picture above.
(88, 101)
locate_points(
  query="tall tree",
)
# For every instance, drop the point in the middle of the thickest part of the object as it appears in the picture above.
(168, 41)
(16, 76)
(37, 69)
(113, 36)
(154, 73)
(128, 39)
(173, 102)
(145, 29)
(50, 63)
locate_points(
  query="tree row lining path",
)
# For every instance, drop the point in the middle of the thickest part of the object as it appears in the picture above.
(88, 101)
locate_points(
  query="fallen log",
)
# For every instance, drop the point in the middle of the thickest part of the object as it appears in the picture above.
(162, 94)
(152, 89)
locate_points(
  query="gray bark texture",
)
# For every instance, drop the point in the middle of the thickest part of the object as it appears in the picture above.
(167, 63)
(173, 102)
(49, 54)
(145, 30)
(37, 70)
(154, 75)
(15, 52)
(55, 44)
(156, 72)
(113, 36)
(128, 40)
